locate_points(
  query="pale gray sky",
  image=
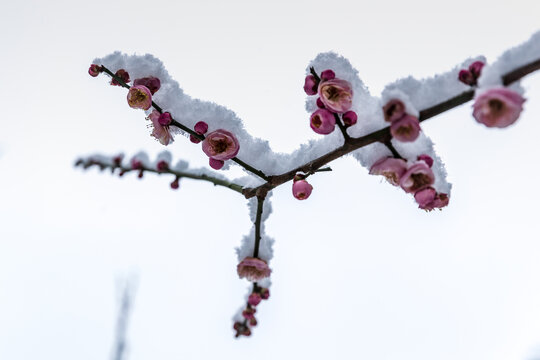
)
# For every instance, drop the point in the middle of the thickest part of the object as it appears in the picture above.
(359, 272)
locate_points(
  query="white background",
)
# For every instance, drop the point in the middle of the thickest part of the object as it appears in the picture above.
(359, 271)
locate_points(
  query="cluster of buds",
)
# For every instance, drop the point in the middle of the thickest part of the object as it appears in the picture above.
(244, 327)
(404, 127)
(415, 178)
(334, 101)
(470, 76)
(301, 189)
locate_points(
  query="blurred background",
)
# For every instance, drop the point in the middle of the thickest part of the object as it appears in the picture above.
(358, 271)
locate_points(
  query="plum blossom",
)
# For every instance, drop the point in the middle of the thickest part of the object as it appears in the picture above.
(428, 199)
(139, 97)
(310, 85)
(220, 145)
(94, 70)
(498, 107)
(160, 132)
(419, 176)
(405, 129)
(393, 110)
(322, 121)
(336, 95)
(123, 75)
(152, 83)
(253, 269)
(392, 169)
(301, 189)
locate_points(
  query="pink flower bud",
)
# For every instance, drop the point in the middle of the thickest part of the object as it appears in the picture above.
(194, 140)
(405, 129)
(466, 77)
(165, 119)
(139, 97)
(253, 322)
(428, 199)
(328, 75)
(175, 184)
(301, 189)
(160, 132)
(323, 121)
(393, 110)
(426, 158)
(253, 269)
(117, 160)
(201, 128)
(123, 75)
(476, 69)
(349, 118)
(336, 95)
(216, 164)
(265, 293)
(392, 169)
(310, 85)
(136, 164)
(254, 299)
(94, 70)
(221, 145)
(162, 165)
(498, 107)
(249, 313)
(419, 176)
(320, 104)
(152, 83)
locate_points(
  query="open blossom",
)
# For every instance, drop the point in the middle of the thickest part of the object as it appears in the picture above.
(322, 121)
(152, 83)
(393, 110)
(392, 169)
(301, 189)
(405, 129)
(220, 145)
(419, 176)
(498, 107)
(428, 199)
(160, 132)
(253, 269)
(139, 97)
(336, 95)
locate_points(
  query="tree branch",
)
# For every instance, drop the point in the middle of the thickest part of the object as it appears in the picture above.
(382, 134)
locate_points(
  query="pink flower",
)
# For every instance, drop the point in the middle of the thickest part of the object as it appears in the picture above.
(426, 158)
(265, 293)
(392, 169)
(498, 107)
(253, 269)
(322, 121)
(310, 85)
(419, 176)
(393, 110)
(320, 104)
(476, 69)
(94, 70)
(349, 118)
(216, 164)
(336, 95)
(466, 77)
(254, 299)
(249, 313)
(201, 128)
(139, 97)
(428, 199)
(328, 75)
(405, 129)
(162, 165)
(301, 189)
(221, 145)
(165, 119)
(160, 132)
(152, 83)
(175, 184)
(123, 75)
(194, 139)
